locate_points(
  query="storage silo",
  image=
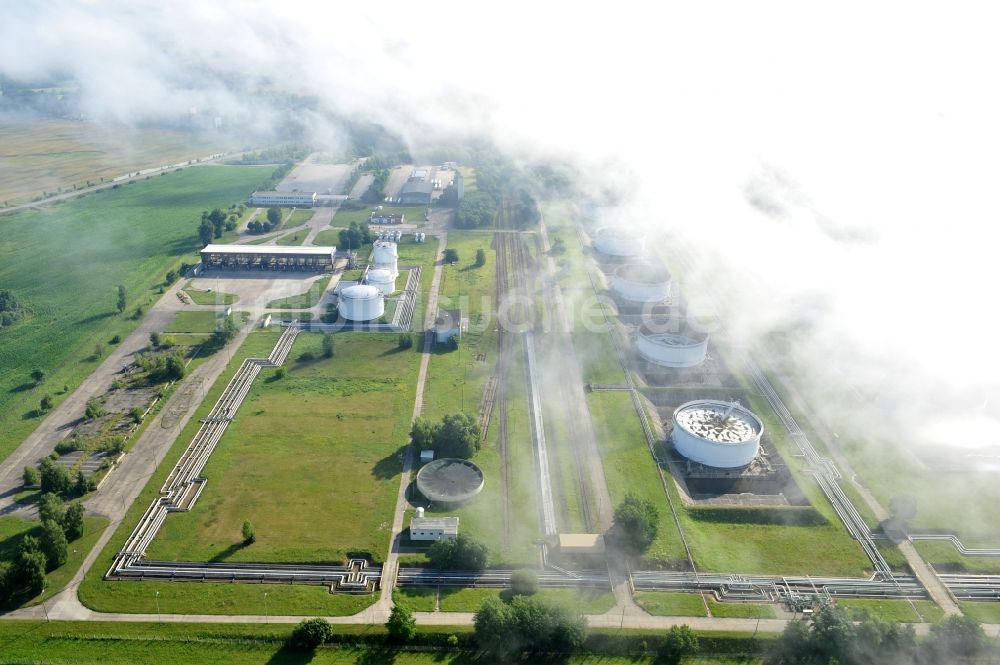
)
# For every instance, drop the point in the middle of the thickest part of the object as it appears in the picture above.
(718, 434)
(385, 257)
(673, 347)
(642, 283)
(361, 302)
(383, 280)
(618, 242)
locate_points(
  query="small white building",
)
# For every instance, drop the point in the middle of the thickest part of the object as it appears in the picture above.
(432, 528)
(287, 199)
(426, 455)
(448, 324)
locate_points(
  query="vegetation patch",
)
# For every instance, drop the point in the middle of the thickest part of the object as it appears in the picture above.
(305, 300)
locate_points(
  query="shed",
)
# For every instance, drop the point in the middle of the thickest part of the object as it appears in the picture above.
(581, 543)
(448, 324)
(433, 528)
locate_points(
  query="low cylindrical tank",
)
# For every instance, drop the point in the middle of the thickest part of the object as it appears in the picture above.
(675, 346)
(382, 280)
(361, 302)
(384, 256)
(718, 434)
(642, 283)
(619, 242)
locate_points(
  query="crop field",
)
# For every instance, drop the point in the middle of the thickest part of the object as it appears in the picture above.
(129, 236)
(44, 156)
(204, 598)
(312, 460)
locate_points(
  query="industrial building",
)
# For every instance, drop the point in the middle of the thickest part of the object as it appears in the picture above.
(416, 193)
(717, 434)
(672, 345)
(581, 543)
(432, 528)
(642, 283)
(618, 242)
(378, 217)
(361, 303)
(267, 257)
(287, 199)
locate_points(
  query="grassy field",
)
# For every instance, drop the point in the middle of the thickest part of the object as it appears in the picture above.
(327, 238)
(49, 155)
(312, 460)
(130, 236)
(107, 643)
(585, 601)
(210, 297)
(193, 322)
(305, 300)
(984, 612)
(895, 610)
(946, 558)
(598, 357)
(296, 238)
(740, 610)
(13, 528)
(412, 214)
(669, 604)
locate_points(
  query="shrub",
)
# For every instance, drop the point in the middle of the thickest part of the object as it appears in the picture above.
(524, 582)
(451, 255)
(480, 258)
(401, 625)
(249, 535)
(30, 477)
(462, 553)
(45, 404)
(636, 524)
(310, 633)
(94, 409)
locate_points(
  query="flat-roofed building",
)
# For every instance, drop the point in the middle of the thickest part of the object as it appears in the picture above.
(287, 199)
(432, 528)
(267, 257)
(581, 543)
(416, 193)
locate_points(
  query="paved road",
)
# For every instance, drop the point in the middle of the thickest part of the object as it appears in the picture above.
(389, 567)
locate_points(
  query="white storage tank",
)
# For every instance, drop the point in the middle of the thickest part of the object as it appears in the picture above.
(719, 434)
(382, 280)
(672, 345)
(384, 256)
(361, 302)
(619, 242)
(642, 283)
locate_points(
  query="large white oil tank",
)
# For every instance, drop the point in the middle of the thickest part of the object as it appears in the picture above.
(672, 345)
(384, 256)
(642, 283)
(383, 280)
(361, 302)
(619, 242)
(719, 434)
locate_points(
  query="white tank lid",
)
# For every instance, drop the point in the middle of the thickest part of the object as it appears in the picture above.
(360, 292)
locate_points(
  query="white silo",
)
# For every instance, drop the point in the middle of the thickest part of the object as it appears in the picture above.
(718, 434)
(385, 257)
(618, 242)
(642, 283)
(382, 280)
(361, 302)
(674, 346)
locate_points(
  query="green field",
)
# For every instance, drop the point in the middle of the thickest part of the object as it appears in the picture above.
(210, 297)
(412, 214)
(584, 601)
(295, 238)
(895, 610)
(46, 155)
(740, 610)
(130, 236)
(108, 643)
(984, 612)
(312, 460)
(945, 558)
(327, 238)
(665, 603)
(305, 300)
(13, 528)
(193, 322)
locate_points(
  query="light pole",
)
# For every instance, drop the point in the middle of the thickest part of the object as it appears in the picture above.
(158, 618)
(265, 607)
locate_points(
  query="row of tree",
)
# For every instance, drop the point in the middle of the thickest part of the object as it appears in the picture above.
(271, 221)
(457, 435)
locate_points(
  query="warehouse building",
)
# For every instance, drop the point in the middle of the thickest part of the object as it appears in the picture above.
(432, 528)
(287, 199)
(416, 193)
(267, 257)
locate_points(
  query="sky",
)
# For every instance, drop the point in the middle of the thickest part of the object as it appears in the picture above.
(835, 163)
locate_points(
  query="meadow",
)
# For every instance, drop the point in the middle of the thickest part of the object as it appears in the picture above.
(64, 263)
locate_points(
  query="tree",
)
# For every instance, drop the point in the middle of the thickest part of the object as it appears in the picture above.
(80, 484)
(310, 633)
(154, 339)
(458, 435)
(54, 478)
(480, 257)
(679, 642)
(422, 434)
(37, 375)
(73, 521)
(94, 409)
(401, 625)
(171, 277)
(451, 255)
(249, 535)
(206, 232)
(461, 553)
(51, 508)
(45, 404)
(30, 477)
(524, 582)
(98, 350)
(28, 571)
(957, 634)
(405, 341)
(54, 544)
(494, 623)
(122, 298)
(218, 220)
(636, 524)
(225, 331)
(327, 345)
(274, 216)
(527, 623)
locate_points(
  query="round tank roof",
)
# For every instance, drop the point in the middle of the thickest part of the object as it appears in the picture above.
(717, 421)
(360, 292)
(450, 480)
